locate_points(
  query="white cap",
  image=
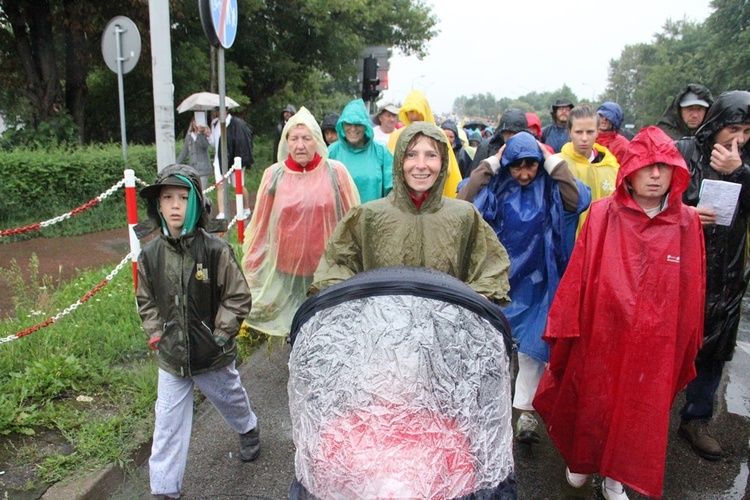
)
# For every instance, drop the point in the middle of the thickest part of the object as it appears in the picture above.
(692, 99)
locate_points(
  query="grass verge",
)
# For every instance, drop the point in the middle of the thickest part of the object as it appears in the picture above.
(78, 394)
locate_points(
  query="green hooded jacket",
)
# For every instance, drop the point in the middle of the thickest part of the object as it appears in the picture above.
(445, 234)
(371, 165)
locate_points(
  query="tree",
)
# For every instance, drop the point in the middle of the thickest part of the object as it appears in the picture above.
(646, 77)
(728, 48)
(47, 47)
(50, 54)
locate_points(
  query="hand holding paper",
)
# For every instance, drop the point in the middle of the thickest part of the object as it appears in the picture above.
(721, 197)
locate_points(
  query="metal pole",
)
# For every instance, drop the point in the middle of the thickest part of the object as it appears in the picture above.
(121, 93)
(161, 70)
(223, 123)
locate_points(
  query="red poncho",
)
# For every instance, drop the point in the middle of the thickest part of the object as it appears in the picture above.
(625, 327)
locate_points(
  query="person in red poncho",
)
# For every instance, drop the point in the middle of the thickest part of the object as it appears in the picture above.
(626, 324)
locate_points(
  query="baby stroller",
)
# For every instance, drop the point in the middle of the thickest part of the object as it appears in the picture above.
(399, 387)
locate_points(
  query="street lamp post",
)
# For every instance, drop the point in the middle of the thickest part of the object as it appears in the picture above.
(593, 91)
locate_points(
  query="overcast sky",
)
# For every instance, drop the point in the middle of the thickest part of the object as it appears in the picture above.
(510, 48)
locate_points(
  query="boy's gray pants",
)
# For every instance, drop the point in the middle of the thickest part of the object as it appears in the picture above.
(174, 420)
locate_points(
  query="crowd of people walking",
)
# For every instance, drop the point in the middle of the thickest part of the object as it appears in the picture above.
(620, 276)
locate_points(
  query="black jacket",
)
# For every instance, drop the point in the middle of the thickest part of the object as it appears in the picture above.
(671, 121)
(725, 245)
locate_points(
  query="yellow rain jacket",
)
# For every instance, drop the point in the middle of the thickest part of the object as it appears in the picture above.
(601, 177)
(443, 234)
(416, 101)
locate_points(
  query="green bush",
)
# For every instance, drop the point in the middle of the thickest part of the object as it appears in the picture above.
(42, 183)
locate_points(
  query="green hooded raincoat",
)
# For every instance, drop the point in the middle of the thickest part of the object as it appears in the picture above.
(445, 234)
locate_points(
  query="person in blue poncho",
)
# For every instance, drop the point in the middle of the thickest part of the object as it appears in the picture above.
(524, 192)
(369, 163)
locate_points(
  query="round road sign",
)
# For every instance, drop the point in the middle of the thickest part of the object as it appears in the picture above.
(130, 43)
(219, 20)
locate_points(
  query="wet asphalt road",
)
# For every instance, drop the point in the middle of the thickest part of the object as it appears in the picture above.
(214, 470)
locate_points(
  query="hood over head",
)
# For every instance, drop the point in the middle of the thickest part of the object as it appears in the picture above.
(329, 121)
(475, 135)
(177, 175)
(302, 117)
(400, 190)
(731, 107)
(513, 120)
(650, 146)
(522, 145)
(450, 125)
(612, 112)
(355, 113)
(288, 107)
(416, 101)
(535, 124)
(672, 117)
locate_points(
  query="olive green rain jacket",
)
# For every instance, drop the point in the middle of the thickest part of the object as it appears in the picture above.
(445, 234)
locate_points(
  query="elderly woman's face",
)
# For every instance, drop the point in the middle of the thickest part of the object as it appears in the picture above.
(301, 144)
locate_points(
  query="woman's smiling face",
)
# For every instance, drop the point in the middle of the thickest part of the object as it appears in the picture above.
(422, 163)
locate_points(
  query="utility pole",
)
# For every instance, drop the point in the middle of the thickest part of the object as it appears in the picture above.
(161, 68)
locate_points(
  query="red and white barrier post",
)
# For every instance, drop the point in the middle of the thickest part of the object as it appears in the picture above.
(132, 204)
(238, 183)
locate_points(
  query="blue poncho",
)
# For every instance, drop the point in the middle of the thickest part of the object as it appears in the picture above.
(530, 223)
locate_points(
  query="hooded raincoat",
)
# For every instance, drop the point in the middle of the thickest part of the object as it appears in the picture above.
(295, 213)
(416, 101)
(612, 139)
(530, 222)
(725, 245)
(599, 176)
(371, 166)
(625, 327)
(671, 121)
(444, 234)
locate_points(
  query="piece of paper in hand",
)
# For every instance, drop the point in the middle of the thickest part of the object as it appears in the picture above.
(721, 197)
(200, 118)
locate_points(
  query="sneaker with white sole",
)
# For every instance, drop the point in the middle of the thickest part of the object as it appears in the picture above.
(247, 213)
(526, 428)
(576, 480)
(221, 216)
(613, 490)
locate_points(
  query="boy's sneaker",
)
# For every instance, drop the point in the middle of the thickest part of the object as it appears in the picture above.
(526, 429)
(613, 490)
(576, 480)
(246, 213)
(250, 445)
(220, 216)
(696, 433)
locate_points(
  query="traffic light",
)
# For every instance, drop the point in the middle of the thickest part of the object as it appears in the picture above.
(370, 80)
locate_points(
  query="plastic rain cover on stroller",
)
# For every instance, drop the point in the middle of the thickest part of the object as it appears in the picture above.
(399, 387)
